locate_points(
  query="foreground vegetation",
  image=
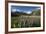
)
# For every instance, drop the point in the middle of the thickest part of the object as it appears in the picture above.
(25, 21)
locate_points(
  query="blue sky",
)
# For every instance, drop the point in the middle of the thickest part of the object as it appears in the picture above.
(25, 9)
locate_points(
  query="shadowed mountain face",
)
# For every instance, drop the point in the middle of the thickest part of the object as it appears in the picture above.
(18, 13)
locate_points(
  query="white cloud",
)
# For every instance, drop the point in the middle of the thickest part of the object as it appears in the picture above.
(28, 12)
(17, 10)
(37, 8)
(13, 10)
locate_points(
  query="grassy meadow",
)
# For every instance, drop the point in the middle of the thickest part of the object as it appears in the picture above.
(25, 21)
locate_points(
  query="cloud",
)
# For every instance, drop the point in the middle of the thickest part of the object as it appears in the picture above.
(37, 8)
(17, 10)
(28, 12)
(13, 10)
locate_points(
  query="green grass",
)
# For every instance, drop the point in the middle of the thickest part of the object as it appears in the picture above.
(25, 22)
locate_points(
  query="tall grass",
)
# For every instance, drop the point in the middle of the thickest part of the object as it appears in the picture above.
(25, 21)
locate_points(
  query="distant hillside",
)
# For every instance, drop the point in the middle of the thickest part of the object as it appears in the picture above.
(36, 12)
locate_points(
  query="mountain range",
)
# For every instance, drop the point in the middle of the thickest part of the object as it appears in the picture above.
(34, 12)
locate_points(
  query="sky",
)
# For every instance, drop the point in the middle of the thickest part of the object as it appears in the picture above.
(24, 9)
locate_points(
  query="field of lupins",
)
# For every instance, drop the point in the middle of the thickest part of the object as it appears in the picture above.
(25, 21)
